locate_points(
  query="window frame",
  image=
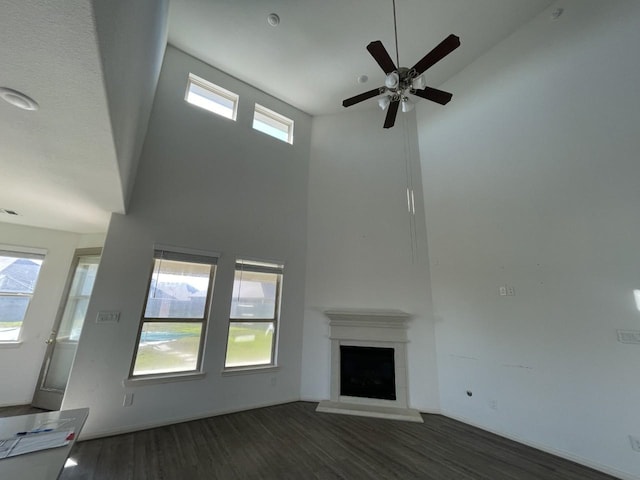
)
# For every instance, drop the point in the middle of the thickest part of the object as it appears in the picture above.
(259, 266)
(276, 117)
(193, 79)
(176, 255)
(22, 253)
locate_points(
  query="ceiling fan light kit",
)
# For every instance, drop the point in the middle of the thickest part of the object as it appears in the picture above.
(401, 81)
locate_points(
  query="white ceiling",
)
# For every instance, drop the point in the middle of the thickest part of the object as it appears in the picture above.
(59, 167)
(313, 58)
(58, 164)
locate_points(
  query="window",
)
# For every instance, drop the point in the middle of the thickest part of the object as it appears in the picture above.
(174, 320)
(78, 295)
(255, 308)
(272, 123)
(18, 277)
(211, 97)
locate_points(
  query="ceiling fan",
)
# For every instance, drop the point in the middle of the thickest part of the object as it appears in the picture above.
(401, 81)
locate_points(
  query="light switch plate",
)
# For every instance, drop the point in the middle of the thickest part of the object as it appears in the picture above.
(629, 336)
(108, 317)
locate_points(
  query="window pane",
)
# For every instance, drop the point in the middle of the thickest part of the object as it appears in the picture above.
(254, 295)
(249, 344)
(75, 308)
(178, 290)
(281, 133)
(18, 275)
(18, 278)
(211, 97)
(168, 347)
(272, 123)
(12, 310)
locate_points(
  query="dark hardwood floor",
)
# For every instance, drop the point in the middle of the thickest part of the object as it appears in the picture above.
(19, 410)
(292, 441)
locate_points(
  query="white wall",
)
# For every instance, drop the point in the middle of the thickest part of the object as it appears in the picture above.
(359, 242)
(205, 183)
(132, 37)
(531, 179)
(20, 362)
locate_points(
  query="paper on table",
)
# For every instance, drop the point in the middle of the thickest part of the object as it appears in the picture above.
(6, 445)
(11, 447)
(54, 424)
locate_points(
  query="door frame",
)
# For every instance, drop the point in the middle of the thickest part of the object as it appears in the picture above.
(48, 398)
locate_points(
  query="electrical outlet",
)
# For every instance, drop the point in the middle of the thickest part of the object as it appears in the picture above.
(502, 291)
(635, 443)
(128, 400)
(510, 292)
(493, 404)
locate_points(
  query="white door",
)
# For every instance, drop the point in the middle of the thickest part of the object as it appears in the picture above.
(63, 341)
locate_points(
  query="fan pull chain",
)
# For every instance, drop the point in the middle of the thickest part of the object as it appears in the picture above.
(411, 206)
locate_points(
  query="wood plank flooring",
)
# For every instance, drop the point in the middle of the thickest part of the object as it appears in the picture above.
(292, 441)
(19, 410)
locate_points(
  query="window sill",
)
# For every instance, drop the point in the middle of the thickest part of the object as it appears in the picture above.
(11, 344)
(249, 370)
(160, 379)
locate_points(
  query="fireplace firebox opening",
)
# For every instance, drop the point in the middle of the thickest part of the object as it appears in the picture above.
(367, 372)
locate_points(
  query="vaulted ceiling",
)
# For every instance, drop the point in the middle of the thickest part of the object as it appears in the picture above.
(93, 66)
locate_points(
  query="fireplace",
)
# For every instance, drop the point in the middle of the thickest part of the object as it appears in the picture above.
(367, 372)
(369, 364)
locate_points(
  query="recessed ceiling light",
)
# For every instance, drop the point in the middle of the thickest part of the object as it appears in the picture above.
(18, 99)
(273, 19)
(363, 79)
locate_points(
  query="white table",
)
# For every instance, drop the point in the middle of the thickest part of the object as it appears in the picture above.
(44, 464)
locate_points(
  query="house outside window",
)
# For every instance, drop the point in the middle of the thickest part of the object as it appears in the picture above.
(174, 320)
(255, 311)
(19, 272)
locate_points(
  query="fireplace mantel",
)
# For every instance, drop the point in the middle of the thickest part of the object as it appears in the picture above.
(343, 322)
(390, 318)
(368, 325)
(374, 328)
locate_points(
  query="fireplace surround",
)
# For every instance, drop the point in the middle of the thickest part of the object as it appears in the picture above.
(370, 329)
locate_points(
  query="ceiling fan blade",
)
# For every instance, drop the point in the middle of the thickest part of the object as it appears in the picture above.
(359, 98)
(380, 55)
(434, 95)
(390, 119)
(445, 47)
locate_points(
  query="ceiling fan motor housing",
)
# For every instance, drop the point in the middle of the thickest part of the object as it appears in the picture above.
(401, 81)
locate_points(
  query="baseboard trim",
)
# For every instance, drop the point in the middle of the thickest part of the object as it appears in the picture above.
(173, 421)
(553, 451)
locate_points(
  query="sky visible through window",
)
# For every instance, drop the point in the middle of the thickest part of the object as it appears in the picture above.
(269, 130)
(203, 98)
